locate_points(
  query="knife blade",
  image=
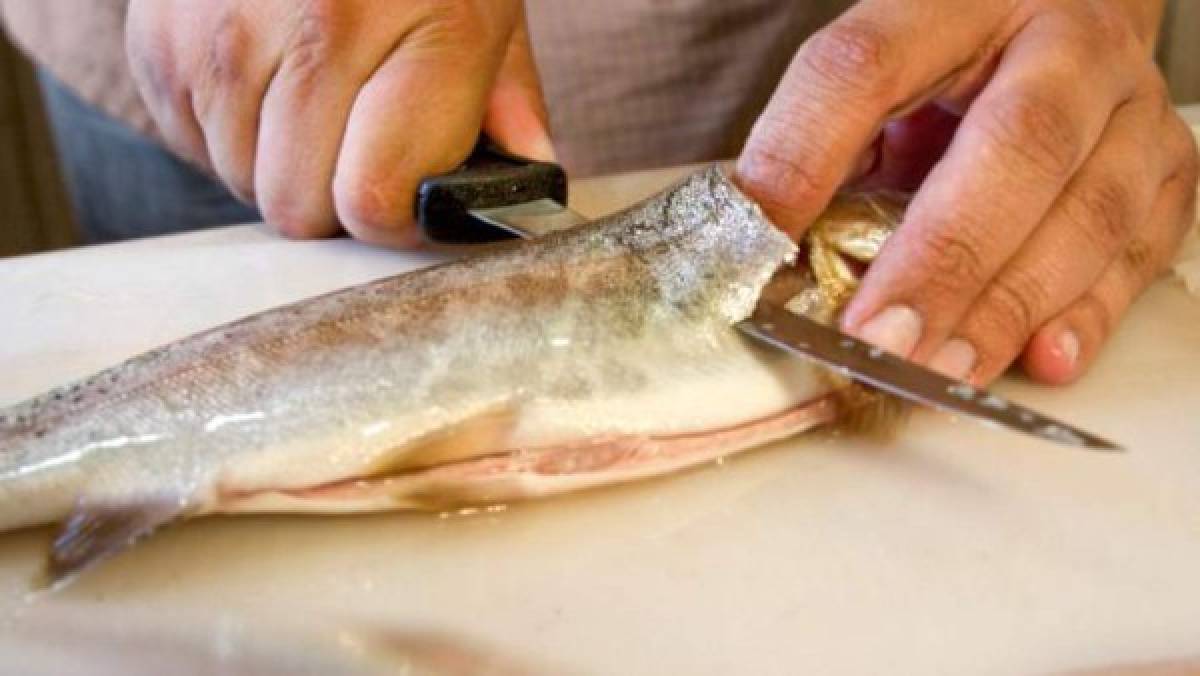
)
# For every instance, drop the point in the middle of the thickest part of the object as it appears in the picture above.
(531, 219)
(497, 196)
(866, 363)
(494, 196)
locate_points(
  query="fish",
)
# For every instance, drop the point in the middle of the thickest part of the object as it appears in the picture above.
(594, 356)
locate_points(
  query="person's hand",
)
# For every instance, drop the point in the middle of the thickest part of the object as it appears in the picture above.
(327, 113)
(1056, 179)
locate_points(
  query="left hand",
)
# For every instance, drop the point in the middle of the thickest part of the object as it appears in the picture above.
(1056, 180)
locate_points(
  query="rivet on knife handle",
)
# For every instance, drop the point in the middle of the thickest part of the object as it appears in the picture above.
(868, 364)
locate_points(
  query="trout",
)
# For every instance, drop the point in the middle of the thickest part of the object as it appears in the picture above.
(594, 356)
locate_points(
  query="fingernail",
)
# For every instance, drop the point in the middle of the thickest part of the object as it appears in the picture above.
(896, 329)
(1068, 346)
(543, 149)
(955, 359)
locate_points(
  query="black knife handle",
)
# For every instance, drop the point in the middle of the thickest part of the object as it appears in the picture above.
(489, 178)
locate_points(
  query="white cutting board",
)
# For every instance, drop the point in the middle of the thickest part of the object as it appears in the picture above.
(956, 549)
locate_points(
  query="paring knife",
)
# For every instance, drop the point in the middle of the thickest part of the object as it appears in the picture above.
(495, 196)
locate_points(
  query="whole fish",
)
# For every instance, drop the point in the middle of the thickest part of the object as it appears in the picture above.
(594, 356)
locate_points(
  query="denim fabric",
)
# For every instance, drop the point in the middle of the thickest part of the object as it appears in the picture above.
(122, 184)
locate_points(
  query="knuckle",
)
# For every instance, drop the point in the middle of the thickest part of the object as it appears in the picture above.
(368, 205)
(1147, 261)
(1013, 305)
(854, 56)
(782, 179)
(450, 23)
(952, 259)
(1105, 206)
(461, 18)
(1038, 131)
(295, 219)
(316, 40)
(1109, 29)
(1141, 262)
(230, 47)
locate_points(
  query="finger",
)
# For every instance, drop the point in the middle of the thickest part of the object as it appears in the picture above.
(161, 77)
(227, 97)
(1089, 225)
(516, 116)
(1020, 143)
(841, 86)
(419, 115)
(331, 51)
(1066, 346)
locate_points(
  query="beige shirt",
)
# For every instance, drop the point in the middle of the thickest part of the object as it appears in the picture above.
(629, 83)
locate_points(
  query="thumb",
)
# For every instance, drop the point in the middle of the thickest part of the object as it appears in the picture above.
(516, 117)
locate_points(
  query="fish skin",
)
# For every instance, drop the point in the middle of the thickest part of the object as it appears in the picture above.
(618, 329)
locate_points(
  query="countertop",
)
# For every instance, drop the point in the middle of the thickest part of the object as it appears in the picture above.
(953, 549)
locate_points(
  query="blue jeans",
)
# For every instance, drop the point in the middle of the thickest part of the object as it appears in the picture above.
(122, 184)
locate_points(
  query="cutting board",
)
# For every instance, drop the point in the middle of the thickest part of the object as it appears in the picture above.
(953, 549)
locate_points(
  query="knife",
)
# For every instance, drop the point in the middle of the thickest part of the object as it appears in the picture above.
(496, 196)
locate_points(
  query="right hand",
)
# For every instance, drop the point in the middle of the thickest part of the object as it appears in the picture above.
(328, 113)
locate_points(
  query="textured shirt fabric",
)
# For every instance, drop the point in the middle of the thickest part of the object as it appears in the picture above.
(629, 83)
(639, 83)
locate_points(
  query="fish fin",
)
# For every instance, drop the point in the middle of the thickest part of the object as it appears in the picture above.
(485, 432)
(866, 411)
(95, 531)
